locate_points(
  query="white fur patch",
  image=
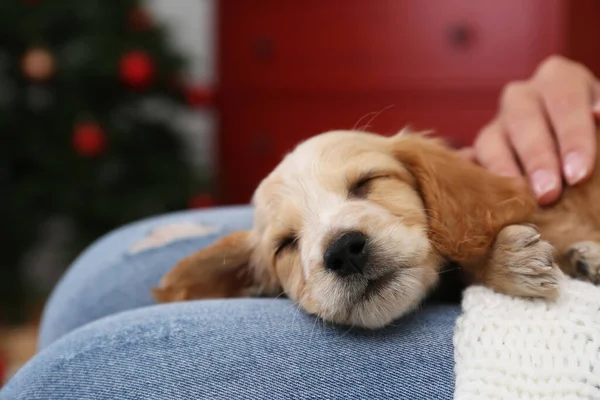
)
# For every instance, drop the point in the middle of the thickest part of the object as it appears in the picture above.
(171, 233)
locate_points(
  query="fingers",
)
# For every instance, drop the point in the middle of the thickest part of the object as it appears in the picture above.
(566, 90)
(596, 98)
(525, 123)
(493, 151)
(546, 125)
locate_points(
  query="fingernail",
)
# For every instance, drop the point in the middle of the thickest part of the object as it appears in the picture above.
(596, 107)
(543, 181)
(574, 167)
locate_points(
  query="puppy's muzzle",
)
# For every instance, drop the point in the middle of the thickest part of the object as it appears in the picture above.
(348, 254)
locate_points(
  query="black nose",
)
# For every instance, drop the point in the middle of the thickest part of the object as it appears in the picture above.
(347, 255)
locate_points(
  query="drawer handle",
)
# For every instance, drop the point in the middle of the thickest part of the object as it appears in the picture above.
(460, 35)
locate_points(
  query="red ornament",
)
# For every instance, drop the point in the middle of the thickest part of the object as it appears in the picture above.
(201, 201)
(89, 140)
(139, 20)
(137, 69)
(199, 96)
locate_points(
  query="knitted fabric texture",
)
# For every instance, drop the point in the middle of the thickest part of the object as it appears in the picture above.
(511, 348)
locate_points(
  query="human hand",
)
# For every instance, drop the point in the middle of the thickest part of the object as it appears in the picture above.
(545, 124)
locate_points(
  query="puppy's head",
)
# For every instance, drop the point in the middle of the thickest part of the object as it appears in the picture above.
(354, 227)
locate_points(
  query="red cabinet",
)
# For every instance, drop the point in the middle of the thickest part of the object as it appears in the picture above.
(289, 69)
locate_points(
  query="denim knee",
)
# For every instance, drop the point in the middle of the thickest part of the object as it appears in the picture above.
(118, 271)
(242, 348)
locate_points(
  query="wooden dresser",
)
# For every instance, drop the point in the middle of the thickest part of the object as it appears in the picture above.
(289, 69)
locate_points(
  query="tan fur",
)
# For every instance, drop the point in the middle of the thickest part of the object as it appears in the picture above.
(467, 205)
(224, 272)
(574, 219)
(425, 205)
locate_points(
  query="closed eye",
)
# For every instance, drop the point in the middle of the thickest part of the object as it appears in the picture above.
(362, 186)
(287, 242)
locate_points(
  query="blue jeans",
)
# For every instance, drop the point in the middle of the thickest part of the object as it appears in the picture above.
(103, 337)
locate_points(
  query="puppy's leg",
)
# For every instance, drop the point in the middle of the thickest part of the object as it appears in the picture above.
(582, 260)
(521, 264)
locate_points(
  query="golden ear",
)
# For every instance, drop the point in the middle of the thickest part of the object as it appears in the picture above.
(467, 205)
(218, 271)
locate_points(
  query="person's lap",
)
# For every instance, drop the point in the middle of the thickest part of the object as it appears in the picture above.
(102, 336)
(117, 272)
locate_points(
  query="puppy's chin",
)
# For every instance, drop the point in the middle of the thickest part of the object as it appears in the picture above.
(391, 297)
(372, 301)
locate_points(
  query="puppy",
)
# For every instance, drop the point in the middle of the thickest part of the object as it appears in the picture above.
(356, 227)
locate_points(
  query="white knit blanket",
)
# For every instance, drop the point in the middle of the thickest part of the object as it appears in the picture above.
(510, 348)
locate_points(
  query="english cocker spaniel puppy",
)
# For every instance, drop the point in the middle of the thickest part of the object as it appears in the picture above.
(356, 227)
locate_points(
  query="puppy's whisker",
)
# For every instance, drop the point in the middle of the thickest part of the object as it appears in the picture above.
(435, 232)
(428, 230)
(315, 322)
(428, 212)
(446, 236)
(296, 305)
(347, 330)
(449, 270)
(355, 127)
(373, 115)
(324, 323)
(417, 315)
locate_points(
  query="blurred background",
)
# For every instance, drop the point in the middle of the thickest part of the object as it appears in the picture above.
(114, 111)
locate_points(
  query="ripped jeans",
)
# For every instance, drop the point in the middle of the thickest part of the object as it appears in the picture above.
(103, 336)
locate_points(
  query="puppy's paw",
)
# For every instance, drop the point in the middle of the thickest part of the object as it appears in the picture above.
(584, 258)
(522, 264)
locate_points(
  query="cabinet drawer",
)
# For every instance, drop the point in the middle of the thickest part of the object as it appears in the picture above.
(256, 134)
(384, 44)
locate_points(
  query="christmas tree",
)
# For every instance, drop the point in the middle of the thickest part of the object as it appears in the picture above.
(88, 91)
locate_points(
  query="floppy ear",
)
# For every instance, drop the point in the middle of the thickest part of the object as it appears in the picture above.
(467, 205)
(218, 271)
